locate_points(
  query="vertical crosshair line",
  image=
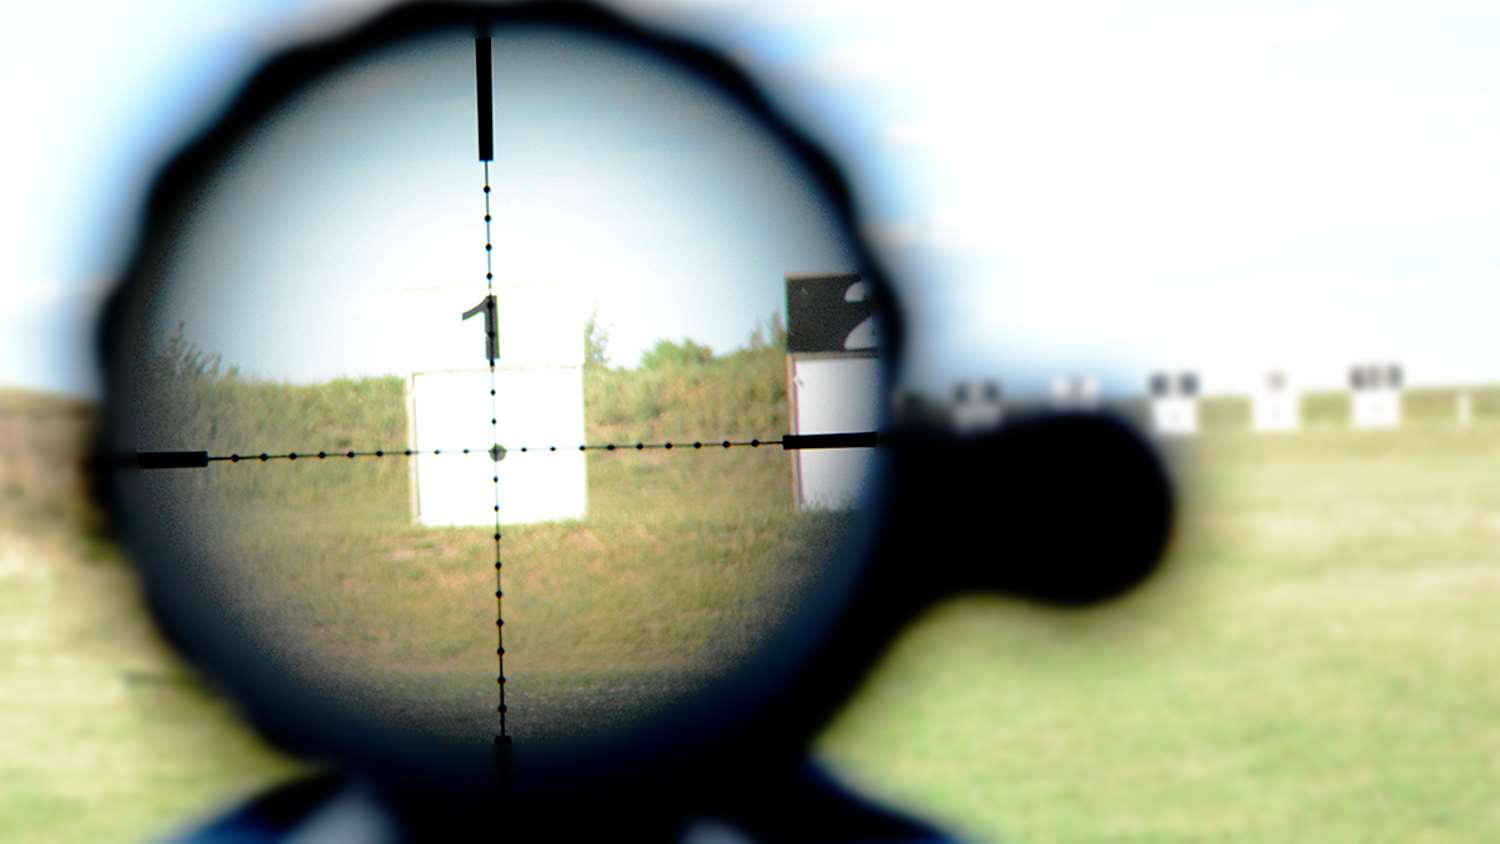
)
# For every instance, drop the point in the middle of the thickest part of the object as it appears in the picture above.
(491, 327)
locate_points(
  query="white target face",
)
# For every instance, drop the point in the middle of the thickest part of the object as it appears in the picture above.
(834, 395)
(539, 480)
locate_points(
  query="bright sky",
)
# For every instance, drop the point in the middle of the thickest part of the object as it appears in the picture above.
(1104, 187)
(347, 237)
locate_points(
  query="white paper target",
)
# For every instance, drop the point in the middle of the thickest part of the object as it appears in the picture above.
(1174, 415)
(1378, 407)
(536, 407)
(1277, 411)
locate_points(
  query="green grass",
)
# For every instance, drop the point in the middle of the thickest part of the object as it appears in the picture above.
(682, 564)
(685, 560)
(1317, 662)
(107, 736)
(741, 394)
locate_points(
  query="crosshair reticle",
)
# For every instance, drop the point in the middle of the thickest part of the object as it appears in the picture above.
(343, 405)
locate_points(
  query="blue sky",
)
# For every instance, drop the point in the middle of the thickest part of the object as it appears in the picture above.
(1108, 187)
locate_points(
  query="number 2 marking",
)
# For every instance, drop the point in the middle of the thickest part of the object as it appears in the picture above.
(863, 335)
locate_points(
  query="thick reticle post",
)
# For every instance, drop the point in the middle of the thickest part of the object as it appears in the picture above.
(485, 114)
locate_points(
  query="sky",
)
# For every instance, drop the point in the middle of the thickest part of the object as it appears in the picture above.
(1103, 187)
(346, 236)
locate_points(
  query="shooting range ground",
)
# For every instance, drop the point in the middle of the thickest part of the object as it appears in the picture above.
(108, 735)
(1316, 663)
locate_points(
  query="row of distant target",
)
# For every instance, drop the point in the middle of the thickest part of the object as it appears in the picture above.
(1375, 401)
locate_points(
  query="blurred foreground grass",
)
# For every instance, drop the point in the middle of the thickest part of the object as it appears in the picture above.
(107, 736)
(1317, 663)
(104, 734)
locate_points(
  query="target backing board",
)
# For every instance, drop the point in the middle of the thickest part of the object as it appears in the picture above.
(1174, 403)
(1276, 405)
(833, 395)
(538, 404)
(1174, 416)
(1377, 409)
(1375, 395)
(833, 384)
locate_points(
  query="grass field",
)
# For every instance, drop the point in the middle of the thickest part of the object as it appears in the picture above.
(1316, 663)
(685, 560)
(107, 736)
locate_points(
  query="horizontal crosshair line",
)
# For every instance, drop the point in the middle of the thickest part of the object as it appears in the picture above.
(788, 442)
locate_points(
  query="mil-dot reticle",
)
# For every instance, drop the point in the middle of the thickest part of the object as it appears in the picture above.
(471, 406)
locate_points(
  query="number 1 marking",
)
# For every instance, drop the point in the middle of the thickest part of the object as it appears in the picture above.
(491, 334)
